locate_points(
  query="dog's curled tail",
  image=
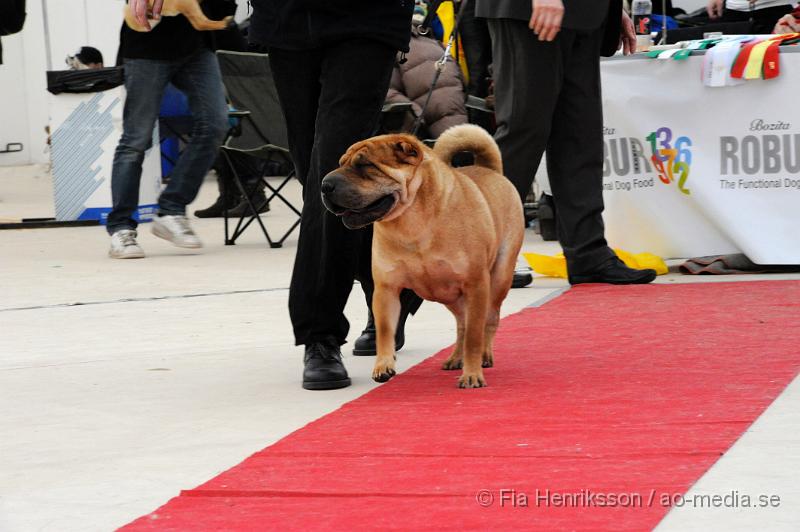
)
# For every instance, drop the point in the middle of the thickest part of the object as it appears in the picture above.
(471, 138)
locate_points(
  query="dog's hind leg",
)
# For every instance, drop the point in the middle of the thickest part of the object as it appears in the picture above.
(502, 276)
(455, 360)
(491, 328)
(476, 302)
(386, 309)
(199, 21)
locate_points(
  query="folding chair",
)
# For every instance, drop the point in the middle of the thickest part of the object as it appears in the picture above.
(260, 133)
(395, 117)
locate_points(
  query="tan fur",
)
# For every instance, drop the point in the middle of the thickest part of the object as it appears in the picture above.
(188, 8)
(470, 138)
(452, 236)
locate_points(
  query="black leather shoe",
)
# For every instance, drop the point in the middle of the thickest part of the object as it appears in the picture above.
(243, 208)
(614, 271)
(364, 346)
(522, 279)
(324, 369)
(216, 209)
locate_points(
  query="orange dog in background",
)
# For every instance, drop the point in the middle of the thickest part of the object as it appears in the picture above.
(450, 234)
(188, 8)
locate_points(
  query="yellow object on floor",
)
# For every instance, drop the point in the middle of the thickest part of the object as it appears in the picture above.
(556, 265)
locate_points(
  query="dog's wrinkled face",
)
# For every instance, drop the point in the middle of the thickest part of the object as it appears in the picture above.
(373, 181)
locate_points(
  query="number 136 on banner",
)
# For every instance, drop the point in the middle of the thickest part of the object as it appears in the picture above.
(671, 161)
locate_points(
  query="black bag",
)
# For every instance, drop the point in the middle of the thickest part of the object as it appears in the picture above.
(81, 81)
(695, 33)
(12, 16)
(219, 9)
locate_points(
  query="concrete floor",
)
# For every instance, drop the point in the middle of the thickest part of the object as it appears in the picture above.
(122, 382)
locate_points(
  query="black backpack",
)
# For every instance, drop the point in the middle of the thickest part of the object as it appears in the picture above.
(12, 16)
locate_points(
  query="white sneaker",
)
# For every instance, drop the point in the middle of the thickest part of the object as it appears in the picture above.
(124, 245)
(177, 230)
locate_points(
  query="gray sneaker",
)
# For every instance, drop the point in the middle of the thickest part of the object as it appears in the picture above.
(124, 245)
(177, 230)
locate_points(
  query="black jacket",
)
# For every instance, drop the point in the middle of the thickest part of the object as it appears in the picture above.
(173, 38)
(304, 24)
(12, 18)
(578, 15)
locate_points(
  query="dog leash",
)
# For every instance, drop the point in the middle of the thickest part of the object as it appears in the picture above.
(433, 7)
(440, 65)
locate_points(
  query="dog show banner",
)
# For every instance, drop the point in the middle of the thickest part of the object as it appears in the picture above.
(85, 130)
(691, 170)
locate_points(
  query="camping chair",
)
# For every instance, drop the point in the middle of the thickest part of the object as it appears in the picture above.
(260, 133)
(395, 117)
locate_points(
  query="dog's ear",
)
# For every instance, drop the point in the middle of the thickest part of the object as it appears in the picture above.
(343, 159)
(407, 152)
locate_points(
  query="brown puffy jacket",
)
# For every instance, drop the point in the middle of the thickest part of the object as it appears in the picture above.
(411, 82)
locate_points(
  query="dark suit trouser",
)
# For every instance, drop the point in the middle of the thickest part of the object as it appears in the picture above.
(331, 98)
(477, 46)
(548, 98)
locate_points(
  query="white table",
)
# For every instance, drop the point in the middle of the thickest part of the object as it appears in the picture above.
(736, 186)
(84, 132)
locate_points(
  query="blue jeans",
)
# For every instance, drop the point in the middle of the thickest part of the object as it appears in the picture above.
(145, 80)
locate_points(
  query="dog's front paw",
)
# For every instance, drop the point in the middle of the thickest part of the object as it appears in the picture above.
(472, 380)
(383, 372)
(488, 360)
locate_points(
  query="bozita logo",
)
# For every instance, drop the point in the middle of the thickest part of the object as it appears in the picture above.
(767, 157)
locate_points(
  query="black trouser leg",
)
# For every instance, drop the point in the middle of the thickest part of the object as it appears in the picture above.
(343, 88)
(575, 155)
(548, 97)
(527, 79)
(477, 49)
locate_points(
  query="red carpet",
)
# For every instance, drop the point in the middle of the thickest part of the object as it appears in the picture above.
(626, 392)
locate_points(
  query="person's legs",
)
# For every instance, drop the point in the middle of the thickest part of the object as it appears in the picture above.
(228, 193)
(297, 80)
(575, 154)
(296, 74)
(477, 49)
(527, 80)
(200, 79)
(548, 95)
(354, 77)
(145, 81)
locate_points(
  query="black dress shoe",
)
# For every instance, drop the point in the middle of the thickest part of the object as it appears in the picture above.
(216, 209)
(614, 271)
(243, 208)
(364, 346)
(522, 279)
(324, 369)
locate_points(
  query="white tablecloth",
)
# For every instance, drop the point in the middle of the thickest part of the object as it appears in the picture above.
(731, 179)
(85, 130)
